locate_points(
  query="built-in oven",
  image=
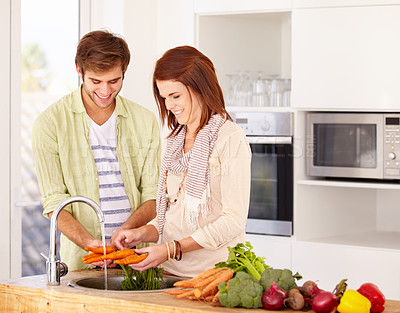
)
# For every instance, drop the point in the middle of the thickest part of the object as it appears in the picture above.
(270, 135)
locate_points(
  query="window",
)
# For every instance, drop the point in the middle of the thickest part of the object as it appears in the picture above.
(49, 35)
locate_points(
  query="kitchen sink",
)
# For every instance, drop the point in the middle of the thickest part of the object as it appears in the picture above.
(114, 284)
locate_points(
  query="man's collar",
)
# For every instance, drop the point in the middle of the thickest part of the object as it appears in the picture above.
(77, 105)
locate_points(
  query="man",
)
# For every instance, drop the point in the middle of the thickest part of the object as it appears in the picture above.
(97, 144)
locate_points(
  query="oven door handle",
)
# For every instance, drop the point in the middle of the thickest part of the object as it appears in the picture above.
(269, 140)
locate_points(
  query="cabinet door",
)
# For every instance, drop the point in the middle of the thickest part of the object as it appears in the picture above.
(230, 6)
(276, 250)
(346, 58)
(329, 264)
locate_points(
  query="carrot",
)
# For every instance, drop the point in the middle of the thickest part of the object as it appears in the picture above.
(184, 283)
(208, 272)
(222, 277)
(91, 255)
(193, 282)
(96, 258)
(132, 259)
(109, 249)
(209, 298)
(204, 282)
(119, 254)
(197, 293)
(186, 294)
(216, 297)
(176, 292)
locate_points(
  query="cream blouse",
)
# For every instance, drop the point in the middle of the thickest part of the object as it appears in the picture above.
(230, 193)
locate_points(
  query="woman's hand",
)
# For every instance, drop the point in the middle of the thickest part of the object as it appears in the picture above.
(157, 255)
(128, 238)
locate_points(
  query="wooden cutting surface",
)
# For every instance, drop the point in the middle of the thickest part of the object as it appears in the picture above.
(32, 294)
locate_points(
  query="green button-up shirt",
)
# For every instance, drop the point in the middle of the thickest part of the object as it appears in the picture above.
(65, 165)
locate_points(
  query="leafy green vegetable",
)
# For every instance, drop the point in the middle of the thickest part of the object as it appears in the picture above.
(283, 278)
(149, 279)
(242, 290)
(242, 258)
(128, 283)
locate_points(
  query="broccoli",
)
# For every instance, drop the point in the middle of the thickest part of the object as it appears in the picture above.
(283, 278)
(242, 290)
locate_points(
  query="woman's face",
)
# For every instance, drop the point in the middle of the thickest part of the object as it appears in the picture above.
(181, 102)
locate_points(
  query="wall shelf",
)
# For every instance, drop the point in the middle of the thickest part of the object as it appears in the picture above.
(370, 239)
(350, 184)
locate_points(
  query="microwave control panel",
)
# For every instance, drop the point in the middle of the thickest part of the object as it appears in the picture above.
(391, 146)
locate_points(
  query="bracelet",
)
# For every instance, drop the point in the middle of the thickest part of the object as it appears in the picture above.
(178, 256)
(169, 257)
(174, 256)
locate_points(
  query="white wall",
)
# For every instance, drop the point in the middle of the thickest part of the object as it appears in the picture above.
(175, 24)
(150, 28)
(140, 32)
(10, 220)
(5, 16)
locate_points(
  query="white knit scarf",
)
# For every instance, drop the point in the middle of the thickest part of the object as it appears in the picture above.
(195, 163)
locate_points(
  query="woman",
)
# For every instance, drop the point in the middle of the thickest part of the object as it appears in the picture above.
(204, 186)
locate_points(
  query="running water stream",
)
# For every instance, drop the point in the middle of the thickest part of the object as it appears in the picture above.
(103, 239)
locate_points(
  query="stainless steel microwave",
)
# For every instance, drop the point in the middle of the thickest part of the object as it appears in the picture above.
(353, 145)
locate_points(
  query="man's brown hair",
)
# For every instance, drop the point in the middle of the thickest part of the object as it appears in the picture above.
(100, 51)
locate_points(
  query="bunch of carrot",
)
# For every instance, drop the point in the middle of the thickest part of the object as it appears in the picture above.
(125, 256)
(203, 286)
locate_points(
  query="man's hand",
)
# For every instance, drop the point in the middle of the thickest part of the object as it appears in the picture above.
(127, 238)
(98, 244)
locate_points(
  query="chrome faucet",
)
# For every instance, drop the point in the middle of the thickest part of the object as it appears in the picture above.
(54, 268)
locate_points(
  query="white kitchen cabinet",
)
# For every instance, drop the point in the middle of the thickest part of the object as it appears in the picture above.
(297, 4)
(346, 58)
(252, 42)
(276, 250)
(347, 213)
(328, 264)
(235, 6)
(344, 229)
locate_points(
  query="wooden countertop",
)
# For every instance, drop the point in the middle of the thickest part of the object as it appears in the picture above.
(32, 294)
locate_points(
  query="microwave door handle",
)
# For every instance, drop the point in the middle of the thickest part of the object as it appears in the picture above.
(269, 140)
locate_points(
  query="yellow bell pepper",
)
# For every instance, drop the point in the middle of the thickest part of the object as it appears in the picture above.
(354, 302)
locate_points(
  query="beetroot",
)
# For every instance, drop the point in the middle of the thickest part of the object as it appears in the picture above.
(324, 302)
(272, 299)
(295, 300)
(309, 289)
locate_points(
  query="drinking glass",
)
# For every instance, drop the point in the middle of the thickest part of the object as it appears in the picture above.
(261, 88)
(287, 86)
(276, 92)
(231, 95)
(245, 90)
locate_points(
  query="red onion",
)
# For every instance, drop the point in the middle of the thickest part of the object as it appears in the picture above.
(272, 299)
(324, 302)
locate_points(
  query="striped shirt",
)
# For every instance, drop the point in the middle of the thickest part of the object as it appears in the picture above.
(114, 201)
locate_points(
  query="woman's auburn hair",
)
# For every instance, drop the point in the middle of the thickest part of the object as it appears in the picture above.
(187, 65)
(101, 50)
